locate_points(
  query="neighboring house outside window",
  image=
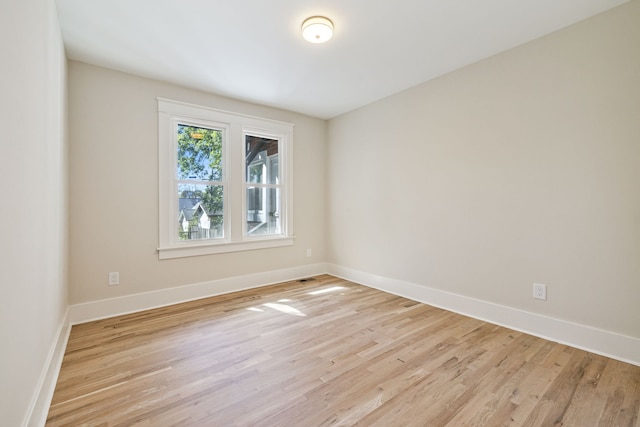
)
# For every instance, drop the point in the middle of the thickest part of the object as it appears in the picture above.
(211, 205)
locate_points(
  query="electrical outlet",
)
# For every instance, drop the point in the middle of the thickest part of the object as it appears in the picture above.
(114, 278)
(308, 252)
(540, 291)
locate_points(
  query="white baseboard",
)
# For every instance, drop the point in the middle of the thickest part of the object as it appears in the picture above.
(39, 409)
(94, 310)
(605, 343)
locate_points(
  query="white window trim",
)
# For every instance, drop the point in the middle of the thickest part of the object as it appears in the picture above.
(235, 127)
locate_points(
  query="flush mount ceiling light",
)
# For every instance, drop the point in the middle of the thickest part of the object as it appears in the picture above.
(317, 29)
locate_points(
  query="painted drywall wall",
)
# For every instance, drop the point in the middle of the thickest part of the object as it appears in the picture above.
(114, 189)
(521, 168)
(33, 254)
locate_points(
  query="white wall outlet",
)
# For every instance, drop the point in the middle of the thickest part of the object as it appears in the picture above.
(308, 252)
(540, 291)
(114, 278)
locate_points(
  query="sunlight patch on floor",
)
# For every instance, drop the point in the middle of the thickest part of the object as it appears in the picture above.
(284, 308)
(326, 290)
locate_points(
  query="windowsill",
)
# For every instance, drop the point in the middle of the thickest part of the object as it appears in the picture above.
(223, 247)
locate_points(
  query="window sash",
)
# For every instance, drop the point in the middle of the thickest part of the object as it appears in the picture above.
(176, 121)
(281, 194)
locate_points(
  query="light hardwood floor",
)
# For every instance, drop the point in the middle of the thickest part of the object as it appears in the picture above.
(330, 352)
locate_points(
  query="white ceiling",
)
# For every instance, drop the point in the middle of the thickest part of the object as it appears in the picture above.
(253, 50)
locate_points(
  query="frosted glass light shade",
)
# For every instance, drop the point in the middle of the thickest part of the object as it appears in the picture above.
(317, 29)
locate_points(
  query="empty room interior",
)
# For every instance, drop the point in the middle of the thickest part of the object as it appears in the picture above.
(427, 213)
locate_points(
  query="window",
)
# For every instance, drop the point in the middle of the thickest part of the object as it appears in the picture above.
(225, 181)
(200, 187)
(262, 185)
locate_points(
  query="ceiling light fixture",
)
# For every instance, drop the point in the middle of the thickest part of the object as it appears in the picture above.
(317, 29)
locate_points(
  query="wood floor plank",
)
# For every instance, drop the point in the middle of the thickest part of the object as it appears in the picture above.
(328, 352)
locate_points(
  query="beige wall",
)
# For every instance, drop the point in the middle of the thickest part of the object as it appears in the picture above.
(33, 253)
(114, 188)
(518, 169)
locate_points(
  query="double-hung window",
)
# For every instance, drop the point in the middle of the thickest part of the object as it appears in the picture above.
(263, 186)
(225, 181)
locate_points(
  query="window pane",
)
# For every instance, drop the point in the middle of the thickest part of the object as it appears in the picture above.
(274, 177)
(261, 160)
(256, 172)
(200, 209)
(263, 211)
(199, 153)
